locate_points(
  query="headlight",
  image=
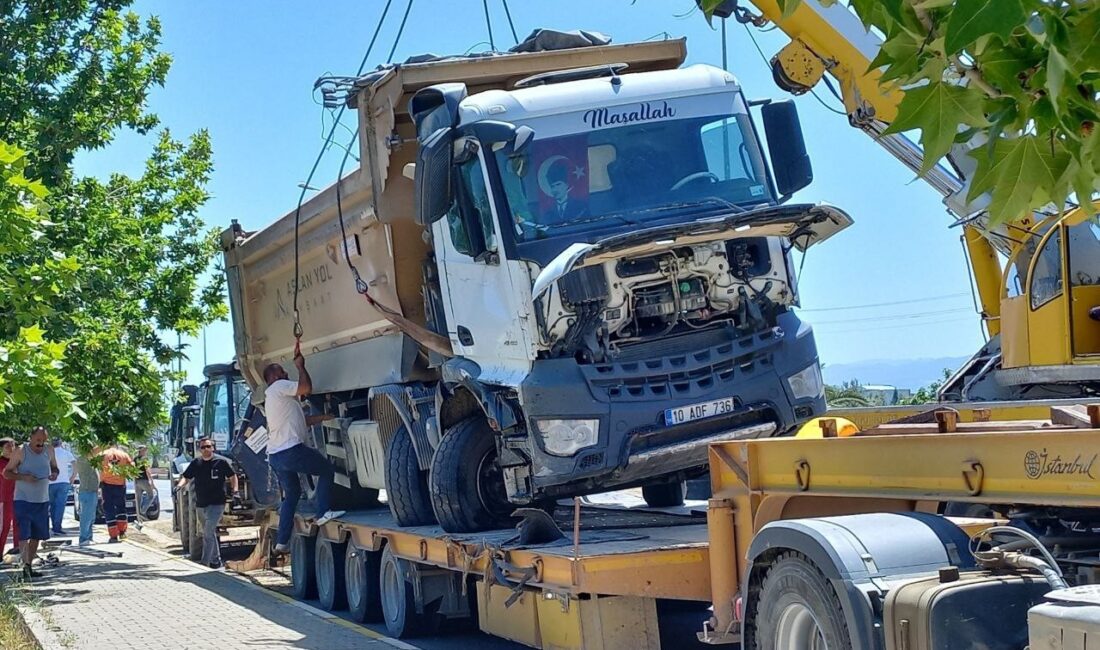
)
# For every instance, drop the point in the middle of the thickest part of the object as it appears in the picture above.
(806, 383)
(566, 437)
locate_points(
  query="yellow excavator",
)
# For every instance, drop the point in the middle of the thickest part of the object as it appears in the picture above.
(1037, 278)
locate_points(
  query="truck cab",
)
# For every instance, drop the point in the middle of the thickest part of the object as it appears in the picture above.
(632, 267)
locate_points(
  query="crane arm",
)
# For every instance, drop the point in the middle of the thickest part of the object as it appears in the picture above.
(832, 40)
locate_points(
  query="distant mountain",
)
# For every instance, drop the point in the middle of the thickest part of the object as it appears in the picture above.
(902, 373)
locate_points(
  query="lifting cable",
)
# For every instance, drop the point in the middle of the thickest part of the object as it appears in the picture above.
(421, 335)
(511, 25)
(489, 25)
(298, 331)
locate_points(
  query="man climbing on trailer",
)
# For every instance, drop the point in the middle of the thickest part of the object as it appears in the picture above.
(288, 453)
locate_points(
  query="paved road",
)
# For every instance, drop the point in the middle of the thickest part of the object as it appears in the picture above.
(196, 587)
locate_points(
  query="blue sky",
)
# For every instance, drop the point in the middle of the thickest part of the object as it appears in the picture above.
(245, 71)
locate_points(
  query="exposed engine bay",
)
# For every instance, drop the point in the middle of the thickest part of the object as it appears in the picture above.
(602, 309)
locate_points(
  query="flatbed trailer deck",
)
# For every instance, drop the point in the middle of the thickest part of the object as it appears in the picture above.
(596, 581)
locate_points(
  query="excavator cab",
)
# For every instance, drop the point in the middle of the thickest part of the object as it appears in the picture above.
(1049, 307)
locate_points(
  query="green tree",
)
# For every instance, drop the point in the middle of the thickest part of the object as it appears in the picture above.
(133, 250)
(1021, 75)
(927, 394)
(848, 395)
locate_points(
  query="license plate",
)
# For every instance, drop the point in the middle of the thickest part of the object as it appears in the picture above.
(698, 411)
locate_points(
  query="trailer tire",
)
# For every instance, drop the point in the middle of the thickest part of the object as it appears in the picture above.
(329, 569)
(467, 485)
(399, 602)
(796, 606)
(303, 567)
(362, 571)
(194, 530)
(664, 495)
(184, 524)
(406, 485)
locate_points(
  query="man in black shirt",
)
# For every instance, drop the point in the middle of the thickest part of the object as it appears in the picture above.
(209, 472)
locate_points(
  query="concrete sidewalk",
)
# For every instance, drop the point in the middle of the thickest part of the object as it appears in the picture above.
(149, 599)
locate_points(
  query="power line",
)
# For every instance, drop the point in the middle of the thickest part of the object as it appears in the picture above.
(888, 304)
(400, 31)
(893, 317)
(854, 330)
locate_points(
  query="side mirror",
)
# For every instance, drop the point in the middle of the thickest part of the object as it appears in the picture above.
(491, 132)
(434, 166)
(790, 162)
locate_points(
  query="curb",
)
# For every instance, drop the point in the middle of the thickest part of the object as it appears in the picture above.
(319, 613)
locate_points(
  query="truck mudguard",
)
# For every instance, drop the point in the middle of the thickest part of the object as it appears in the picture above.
(857, 552)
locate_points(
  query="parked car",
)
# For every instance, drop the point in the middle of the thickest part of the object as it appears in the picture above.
(151, 510)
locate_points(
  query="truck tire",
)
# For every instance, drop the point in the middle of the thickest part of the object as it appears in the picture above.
(329, 568)
(466, 482)
(194, 530)
(184, 523)
(398, 600)
(303, 567)
(798, 608)
(406, 485)
(664, 495)
(361, 580)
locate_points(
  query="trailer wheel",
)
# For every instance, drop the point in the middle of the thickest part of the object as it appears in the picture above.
(467, 484)
(664, 495)
(406, 485)
(330, 574)
(184, 524)
(797, 609)
(194, 530)
(361, 581)
(303, 568)
(399, 601)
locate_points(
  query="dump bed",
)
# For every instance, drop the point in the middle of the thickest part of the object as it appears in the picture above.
(351, 345)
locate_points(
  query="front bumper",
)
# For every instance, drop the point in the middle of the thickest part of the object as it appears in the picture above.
(629, 396)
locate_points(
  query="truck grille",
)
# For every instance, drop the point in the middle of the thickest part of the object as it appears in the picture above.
(687, 366)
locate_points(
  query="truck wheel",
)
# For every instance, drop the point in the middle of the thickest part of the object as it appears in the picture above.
(303, 567)
(184, 524)
(194, 530)
(664, 495)
(467, 484)
(361, 580)
(406, 485)
(330, 575)
(797, 609)
(398, 601)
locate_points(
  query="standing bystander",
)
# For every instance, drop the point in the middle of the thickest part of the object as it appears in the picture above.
(112, 482)
(32, 466)
(7, 500)
(287, 451)
(60, 486)
(87, 494)
(143, 485)
(210, 472)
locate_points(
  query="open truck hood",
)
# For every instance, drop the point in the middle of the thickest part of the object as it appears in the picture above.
(804, 224)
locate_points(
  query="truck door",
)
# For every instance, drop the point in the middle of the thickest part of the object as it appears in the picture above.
(216, 413)
(1048, 327)
(485, 313)
(1083, 262)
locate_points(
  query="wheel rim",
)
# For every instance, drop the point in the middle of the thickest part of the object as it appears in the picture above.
(324, 568)
(799, 630)
(490, 486)
(354, 579)
(391, 591)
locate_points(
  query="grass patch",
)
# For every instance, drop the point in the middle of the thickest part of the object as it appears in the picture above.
(14, 634)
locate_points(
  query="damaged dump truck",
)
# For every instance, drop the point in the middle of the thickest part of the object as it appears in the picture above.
(575, 268)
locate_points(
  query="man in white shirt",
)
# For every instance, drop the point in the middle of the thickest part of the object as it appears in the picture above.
(288, 451)
(60, 486)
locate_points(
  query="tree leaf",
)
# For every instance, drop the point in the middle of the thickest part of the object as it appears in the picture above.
(938, 110)
(969, 20)
(1020, 173)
